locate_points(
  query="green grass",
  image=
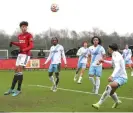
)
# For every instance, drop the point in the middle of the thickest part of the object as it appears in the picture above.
(41, 99)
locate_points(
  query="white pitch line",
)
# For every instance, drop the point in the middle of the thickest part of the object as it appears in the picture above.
(77, 91)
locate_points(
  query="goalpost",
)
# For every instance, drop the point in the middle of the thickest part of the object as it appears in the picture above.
(4, 54)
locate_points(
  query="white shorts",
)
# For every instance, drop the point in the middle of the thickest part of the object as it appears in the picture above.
(22, 60)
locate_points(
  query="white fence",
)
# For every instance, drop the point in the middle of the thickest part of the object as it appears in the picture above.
(5, 54)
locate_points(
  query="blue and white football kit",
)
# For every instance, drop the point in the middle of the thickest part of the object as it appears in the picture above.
(82, 62)
(83, 54)
(96, 54)
(56, 53)
(119, 74)
(127, 54)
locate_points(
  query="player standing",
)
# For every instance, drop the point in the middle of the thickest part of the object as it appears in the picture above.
(117, 79)
(96, 52)
(56, 53)
(82, 61)
(127, 55)
(25, 44)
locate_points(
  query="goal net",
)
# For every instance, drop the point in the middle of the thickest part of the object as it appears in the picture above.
(4, 54)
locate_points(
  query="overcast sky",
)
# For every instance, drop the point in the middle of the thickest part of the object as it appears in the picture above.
(79, 15)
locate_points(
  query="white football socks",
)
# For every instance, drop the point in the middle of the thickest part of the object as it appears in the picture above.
(115, 97)
(105, 94)
(92, 81)
(80, 78)
(97, 84)
(52, 80)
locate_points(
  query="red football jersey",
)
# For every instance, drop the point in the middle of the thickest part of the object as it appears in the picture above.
(25, 43)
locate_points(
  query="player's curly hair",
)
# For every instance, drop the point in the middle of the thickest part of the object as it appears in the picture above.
(100, 41)
(23, 23)
(114, 47)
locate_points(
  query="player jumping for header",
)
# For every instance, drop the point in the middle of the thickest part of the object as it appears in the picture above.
(25, 43)
(117, 78)
(56, 52)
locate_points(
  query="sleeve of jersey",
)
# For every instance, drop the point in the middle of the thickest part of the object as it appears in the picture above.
(107, 61)
(130, 54)
(79, 52)
(117, 67)
(49, 57)
(63, 56)
(103, 51)
(16, 43)
(122, 54)
(31, 45)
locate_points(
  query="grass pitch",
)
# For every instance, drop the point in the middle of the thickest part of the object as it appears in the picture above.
(36, 95)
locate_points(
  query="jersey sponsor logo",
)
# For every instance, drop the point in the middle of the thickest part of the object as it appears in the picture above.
(55, 51)
(21, 41)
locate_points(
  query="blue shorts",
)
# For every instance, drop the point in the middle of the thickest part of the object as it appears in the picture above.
(54, 68)
(120, 80)
(128, 61)
(95, 70)
(81, 65)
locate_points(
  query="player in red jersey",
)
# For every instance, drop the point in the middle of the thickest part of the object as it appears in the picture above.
(25, 44)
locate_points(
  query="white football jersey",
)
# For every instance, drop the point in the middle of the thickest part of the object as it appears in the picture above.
(83, 54)
(127, 54)
(55, 55)
(119, 65)
(96, 54)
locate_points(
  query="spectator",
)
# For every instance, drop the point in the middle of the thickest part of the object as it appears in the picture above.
(41, 54)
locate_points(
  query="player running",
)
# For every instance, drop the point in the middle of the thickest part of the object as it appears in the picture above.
(96, 52)
(117, 79)
(82, 62)
(56, 52)
(25, 44)
(127, 55)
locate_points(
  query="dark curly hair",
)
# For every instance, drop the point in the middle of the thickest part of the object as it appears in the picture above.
(114, 47)
(23, 23)
(100, 42)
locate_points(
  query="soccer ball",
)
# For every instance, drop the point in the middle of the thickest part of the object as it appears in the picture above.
(54, 7)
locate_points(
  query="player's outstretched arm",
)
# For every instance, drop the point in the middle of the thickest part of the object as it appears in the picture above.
(14, 43)
(64, 57)
(106, 61)
(49, 58)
